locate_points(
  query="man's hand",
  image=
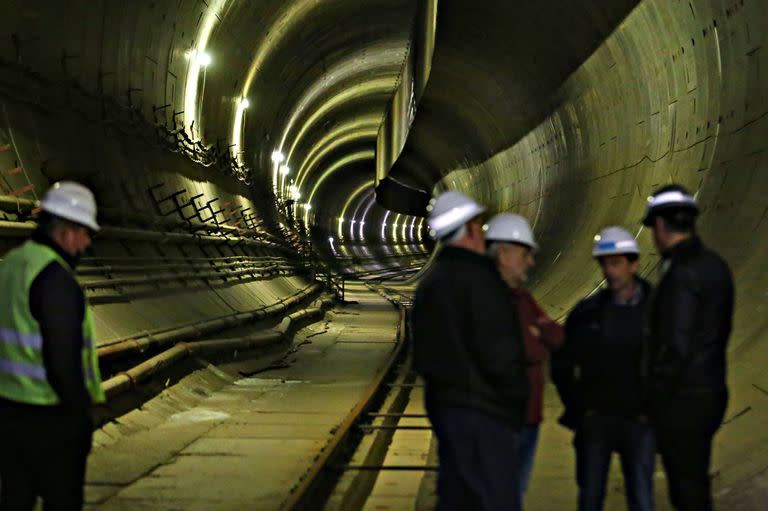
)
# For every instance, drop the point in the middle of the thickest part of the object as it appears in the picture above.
(535, 331)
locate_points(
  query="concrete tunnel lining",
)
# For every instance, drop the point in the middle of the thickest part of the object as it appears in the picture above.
(654, 91)
(671, 95)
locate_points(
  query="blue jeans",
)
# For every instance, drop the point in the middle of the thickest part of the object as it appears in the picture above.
(598, 437)
(478, 460)
(529, 438)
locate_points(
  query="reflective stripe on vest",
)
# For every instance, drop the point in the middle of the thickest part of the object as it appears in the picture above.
(13, 337)
(22, 369)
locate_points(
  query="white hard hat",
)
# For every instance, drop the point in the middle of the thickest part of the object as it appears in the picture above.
(510, 228)
(71, 201)
(615, 241)
(669, 198)
(449, 212)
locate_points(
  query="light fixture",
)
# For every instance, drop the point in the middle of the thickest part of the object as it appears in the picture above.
(203, 59)
(308, 206)
(395, 224)
(244, 103)
(384, 226)
(277, 157)
(285, 170)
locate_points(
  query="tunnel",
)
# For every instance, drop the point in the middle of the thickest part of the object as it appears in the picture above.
(263, 169)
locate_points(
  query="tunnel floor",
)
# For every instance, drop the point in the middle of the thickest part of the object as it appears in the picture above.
(216, 441)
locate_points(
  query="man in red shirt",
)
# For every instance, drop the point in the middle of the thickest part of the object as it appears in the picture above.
(511, 243)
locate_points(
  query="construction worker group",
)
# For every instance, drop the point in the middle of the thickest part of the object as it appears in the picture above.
(639, 368)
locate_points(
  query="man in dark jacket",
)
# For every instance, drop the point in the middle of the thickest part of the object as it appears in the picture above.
(690, 324)
(471, 358)
(599, 379)
(49, 372)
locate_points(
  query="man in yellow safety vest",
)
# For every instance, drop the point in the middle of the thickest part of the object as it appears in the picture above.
(49, 371)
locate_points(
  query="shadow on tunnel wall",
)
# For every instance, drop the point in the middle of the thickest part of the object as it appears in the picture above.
(676, 93)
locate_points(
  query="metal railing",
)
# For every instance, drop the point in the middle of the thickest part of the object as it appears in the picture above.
(334, 282)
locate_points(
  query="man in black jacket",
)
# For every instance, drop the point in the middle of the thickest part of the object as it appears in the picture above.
(468, 349)
(690, 324)
(598, 376)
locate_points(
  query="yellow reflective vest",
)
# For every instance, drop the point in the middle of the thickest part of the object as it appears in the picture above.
(23, 376)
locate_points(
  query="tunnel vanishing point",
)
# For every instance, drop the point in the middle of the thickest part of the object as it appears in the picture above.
(240, 150)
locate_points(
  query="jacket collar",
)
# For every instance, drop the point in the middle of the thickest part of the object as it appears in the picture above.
(637, 297)
(682, 249)
(463, 254)
(40, 236)
(643, 290)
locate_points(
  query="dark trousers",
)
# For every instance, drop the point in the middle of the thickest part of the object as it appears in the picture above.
(43, 458)
(597, 438)
(478, 461)
(529, 439)
(684, 430)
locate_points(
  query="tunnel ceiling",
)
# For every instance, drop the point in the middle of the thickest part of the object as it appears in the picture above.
(169, 106)
(317, 77)
(493, 76)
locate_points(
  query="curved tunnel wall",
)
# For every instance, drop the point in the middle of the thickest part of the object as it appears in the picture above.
(96, 101)
(676, 93)
(111, 74)
(102, 99)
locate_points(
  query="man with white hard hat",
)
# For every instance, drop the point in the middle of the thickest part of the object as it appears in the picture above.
(468, 350)
(690, 323)
(49, 370)
(598, 374)
(511, 244)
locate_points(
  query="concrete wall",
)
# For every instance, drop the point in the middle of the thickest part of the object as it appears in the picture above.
(83, 86)
(675, 94)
